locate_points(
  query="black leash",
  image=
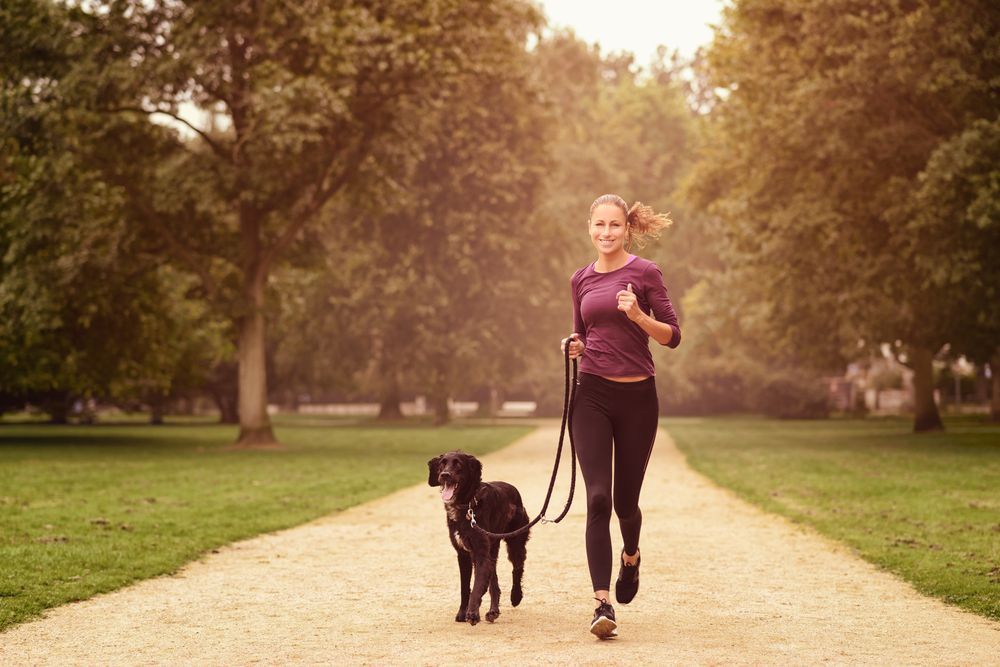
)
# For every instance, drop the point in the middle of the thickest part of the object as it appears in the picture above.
(569, 397)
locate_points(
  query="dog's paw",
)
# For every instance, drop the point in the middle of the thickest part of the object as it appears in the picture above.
(472, 617)
(492, 615)
(515, 596)
(460, 616)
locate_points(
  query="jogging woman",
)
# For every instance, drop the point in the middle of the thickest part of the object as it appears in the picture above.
(619, 302)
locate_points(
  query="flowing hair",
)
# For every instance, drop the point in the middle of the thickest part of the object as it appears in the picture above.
(642, 222)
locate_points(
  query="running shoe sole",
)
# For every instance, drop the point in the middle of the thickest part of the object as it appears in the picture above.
(604, 628)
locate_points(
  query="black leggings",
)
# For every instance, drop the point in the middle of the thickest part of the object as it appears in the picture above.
(627, 413)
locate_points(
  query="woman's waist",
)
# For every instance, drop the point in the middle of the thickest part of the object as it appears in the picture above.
(621, 381)
(626, 378)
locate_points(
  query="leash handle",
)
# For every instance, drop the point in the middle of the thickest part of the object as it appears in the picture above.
(569, 400)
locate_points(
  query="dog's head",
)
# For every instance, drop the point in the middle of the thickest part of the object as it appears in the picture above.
(457, 473)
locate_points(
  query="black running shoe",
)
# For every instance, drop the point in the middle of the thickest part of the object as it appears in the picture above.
(628, 580)
(604, 625)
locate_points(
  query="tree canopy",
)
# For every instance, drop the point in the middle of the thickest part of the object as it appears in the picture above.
(298, 97)
(827, 133)
(388, 198)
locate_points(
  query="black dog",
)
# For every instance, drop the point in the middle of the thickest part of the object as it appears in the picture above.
(498, 508)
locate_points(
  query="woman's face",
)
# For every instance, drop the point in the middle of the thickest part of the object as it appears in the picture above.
(607, 229)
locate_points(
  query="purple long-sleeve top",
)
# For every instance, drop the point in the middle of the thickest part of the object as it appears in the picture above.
(615, 345)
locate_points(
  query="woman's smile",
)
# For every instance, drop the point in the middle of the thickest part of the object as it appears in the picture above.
(607, 229)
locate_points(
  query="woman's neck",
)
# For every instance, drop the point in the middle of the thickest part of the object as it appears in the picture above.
(605, 264)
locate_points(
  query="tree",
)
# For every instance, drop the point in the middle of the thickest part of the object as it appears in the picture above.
(456, 258)
(83, 312)
(833, 110)
(298, 93)
(956, 216)
(322, 326)
(184, 343)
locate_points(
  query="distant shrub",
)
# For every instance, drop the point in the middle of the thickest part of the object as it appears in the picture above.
(713, 391)
(793, 396)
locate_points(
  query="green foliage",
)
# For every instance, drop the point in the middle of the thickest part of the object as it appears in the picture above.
(298, 103)
(457, 283)
(441, 257)
(316, 353)
(86, 511)
(84, 310)
(833, 111)
(921, 506)
(728, 364)
(789, 395)
(956, 215)
(817, 151)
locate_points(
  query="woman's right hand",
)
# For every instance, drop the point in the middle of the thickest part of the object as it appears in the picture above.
(576, 346)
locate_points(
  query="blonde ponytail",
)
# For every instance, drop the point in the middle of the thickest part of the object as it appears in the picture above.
(645, 223)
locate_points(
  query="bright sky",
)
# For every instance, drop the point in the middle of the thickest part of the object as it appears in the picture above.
(636, 25)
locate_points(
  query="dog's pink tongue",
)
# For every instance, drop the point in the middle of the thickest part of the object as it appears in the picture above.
(447, 491)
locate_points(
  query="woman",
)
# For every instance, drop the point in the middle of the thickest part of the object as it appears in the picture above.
(619, 302)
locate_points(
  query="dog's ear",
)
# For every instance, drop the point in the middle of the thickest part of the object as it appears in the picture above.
(475, 470)
(432, 474)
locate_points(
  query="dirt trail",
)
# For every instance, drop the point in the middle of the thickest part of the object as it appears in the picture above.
(722, 583)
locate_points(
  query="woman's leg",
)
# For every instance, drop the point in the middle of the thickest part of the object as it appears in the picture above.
(636, 417)
(592, 435)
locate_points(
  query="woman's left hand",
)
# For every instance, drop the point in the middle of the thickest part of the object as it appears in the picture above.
(628, 304)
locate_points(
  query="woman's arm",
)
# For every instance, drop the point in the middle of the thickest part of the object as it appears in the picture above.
(578, 343)
(661, 332)
(661, 323)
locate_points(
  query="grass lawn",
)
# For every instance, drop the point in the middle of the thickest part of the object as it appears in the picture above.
(926, 507)
(88, 509)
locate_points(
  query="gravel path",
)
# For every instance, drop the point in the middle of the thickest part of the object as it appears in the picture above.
(722, 583)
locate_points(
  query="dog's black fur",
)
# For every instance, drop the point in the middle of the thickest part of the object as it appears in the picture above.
(498, 509)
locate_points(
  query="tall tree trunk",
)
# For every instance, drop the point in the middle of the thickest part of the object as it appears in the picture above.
(439, 390)
(981, 394)
(388, 382)
(224, 388)
(58, 406)
(926, 416)
(389, 401)
(439, 402)
(255, 424)
(494, 406)
(388, 409)
(58, 413)
(156, 411)
(995, 372)
(226, 402)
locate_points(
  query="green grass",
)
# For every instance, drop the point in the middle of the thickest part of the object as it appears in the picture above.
(85, 510)
(926, 507)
